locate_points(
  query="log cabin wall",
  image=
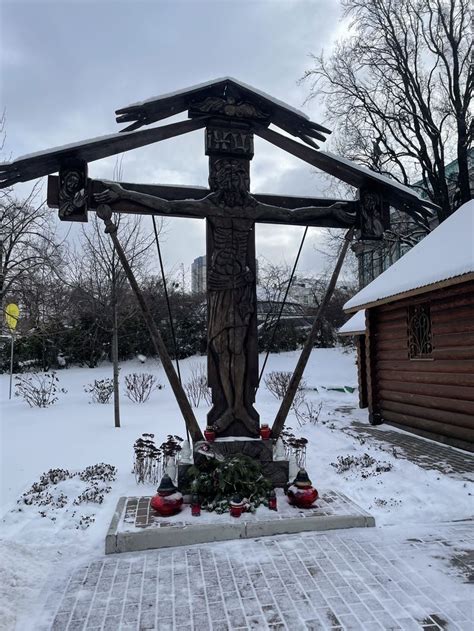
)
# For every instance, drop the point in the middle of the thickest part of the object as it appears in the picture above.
(433, 396)
(361, 370)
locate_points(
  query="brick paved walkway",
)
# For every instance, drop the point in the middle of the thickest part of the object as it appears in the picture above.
(425, 453)
(370, 580)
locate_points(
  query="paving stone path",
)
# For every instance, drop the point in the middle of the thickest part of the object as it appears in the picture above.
(368, 580)
(425, 453)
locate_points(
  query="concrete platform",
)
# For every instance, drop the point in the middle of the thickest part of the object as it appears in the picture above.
(135, 526)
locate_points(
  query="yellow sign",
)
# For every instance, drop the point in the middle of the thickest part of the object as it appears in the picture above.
(12, 313)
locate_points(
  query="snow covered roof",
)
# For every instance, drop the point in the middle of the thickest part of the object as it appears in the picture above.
(206, 84)
(35, 165)
(224, 89)
(68, 147)
(383, 179)
(355, 325)
(446, 254)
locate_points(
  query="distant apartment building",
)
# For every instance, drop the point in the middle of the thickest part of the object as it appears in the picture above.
(198, 275)
(302, 291)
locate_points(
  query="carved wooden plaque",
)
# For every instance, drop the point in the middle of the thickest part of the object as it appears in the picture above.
(73, 191)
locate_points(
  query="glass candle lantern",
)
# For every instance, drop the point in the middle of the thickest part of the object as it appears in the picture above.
(272, 500)
(195, 506)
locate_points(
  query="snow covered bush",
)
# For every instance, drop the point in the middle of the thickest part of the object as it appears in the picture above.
(196, 387)
(365, 464)
(138, 386)
(389, 503)
(49, 494)
(85, 521)
(101, 471)
(38, 390)
(101, 390)
(39, 492)
(94, 493)
(54, 476)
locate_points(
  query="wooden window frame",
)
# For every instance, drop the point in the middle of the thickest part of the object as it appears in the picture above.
(419, 332)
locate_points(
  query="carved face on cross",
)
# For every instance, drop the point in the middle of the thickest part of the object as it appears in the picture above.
(72, 182)
(230, 179)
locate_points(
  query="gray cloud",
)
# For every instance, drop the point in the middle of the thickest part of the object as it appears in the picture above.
(67, 66)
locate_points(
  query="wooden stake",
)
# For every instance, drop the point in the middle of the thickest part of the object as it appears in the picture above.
(308, 347)
(115, 359)
(104, 212)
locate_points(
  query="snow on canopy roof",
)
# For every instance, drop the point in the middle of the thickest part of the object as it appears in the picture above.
(383, 179)
(206, 84)
(446, 253)
(68, 147)
(355, 325)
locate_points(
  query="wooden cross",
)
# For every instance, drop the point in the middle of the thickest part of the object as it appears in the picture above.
(230, 212)
(231, 113)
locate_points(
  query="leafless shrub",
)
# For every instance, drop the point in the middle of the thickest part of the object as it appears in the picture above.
(196, 387)
(307, 412)
(138, 386)
(38, 390)
(101, 390)
(278, 381)
(151, 461)
(193, 391)
(147, 461)
(294, 445)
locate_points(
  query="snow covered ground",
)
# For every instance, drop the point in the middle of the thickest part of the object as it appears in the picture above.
(74, 433)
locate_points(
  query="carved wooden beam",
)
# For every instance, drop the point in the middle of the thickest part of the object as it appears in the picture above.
(186, 192)
(49, 161)
(397, 196)
(228, 99)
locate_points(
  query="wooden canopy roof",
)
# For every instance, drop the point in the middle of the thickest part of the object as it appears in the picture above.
(222, 99)
(235, 97)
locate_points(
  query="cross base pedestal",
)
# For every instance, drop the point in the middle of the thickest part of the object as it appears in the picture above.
(276, 471)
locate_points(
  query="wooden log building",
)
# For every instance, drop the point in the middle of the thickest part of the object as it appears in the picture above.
(418, 368)
(355, 327)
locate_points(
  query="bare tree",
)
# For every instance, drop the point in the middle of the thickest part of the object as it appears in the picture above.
(101, 285)
(398, 91)
(273, 279)
(27, 243)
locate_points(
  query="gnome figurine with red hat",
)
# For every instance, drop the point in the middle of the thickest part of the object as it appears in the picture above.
(301, 493)
(168, 500)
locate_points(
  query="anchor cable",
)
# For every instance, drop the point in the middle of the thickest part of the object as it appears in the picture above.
(173, 336)
(165, 288)
(282, 307)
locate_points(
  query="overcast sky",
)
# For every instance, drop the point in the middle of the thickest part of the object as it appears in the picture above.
(66, 66)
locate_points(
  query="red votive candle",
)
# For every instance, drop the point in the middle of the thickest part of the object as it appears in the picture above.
(210, 434)
(195, 506)
(272, 500)
(265, 431)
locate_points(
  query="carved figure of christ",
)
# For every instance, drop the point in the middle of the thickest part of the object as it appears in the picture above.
(231, 213)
